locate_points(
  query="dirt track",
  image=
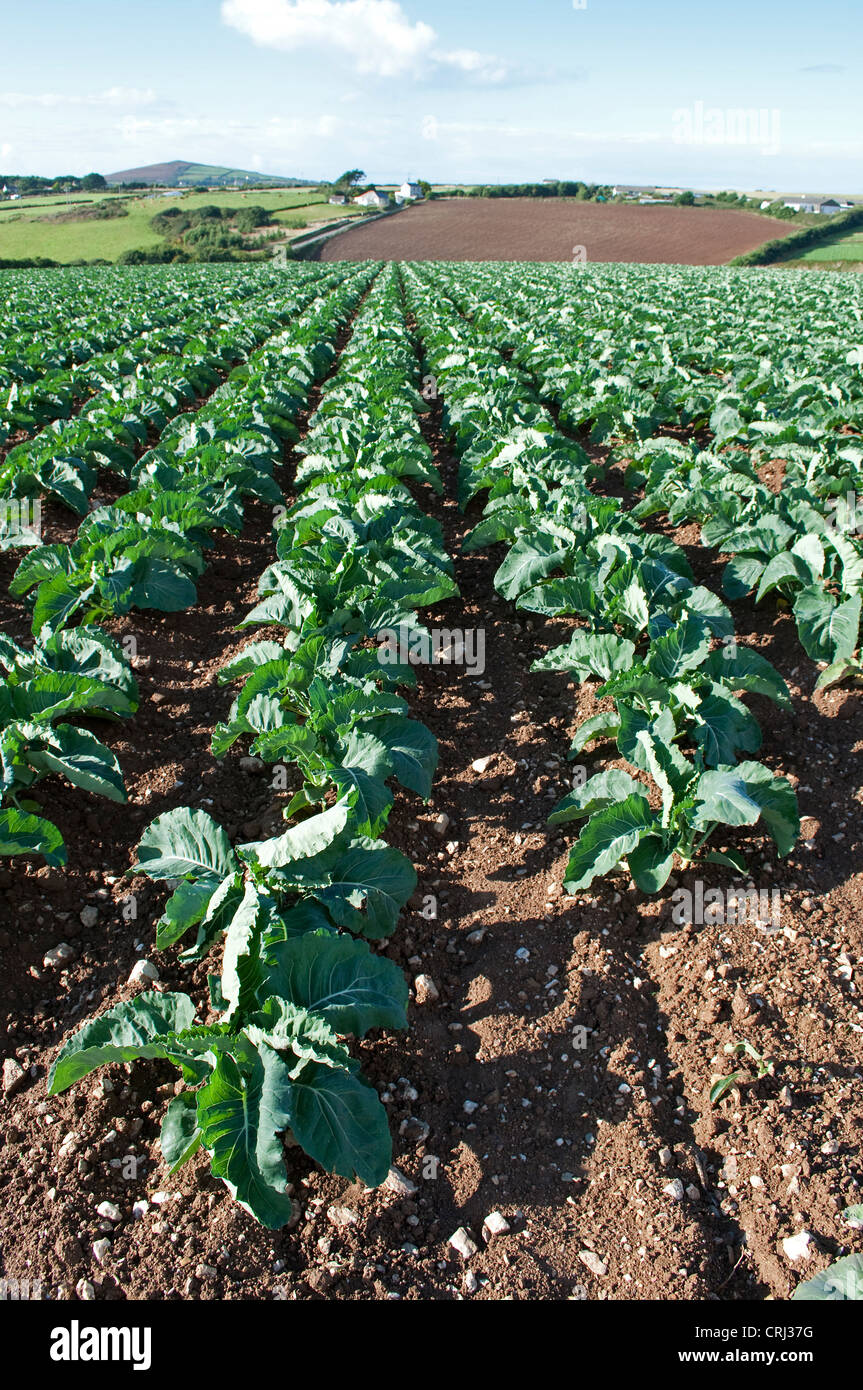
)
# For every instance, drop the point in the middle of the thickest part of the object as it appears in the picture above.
(529, 229)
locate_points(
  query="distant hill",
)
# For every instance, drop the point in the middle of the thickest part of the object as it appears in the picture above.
(179, 173)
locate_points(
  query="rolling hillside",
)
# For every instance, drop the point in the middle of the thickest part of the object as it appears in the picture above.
(179, 173)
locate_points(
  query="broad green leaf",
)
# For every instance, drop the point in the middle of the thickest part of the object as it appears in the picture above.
(739, 795)
(841, 1282)
(22, 833)
(241, 1111)
(589, 654)
(163, 588)
(180, 1137)
(303, 841)
(599, 791)
(650, 863)
(683, 648)
(185, 842)
(341, 1123)
(839, 671)
(140, 1027)
(829, 630)
(741, 668)
(83, 760)
(609, 836)
(598, 726)
(363, 886)
(184, 909)
(414, 751)
(531, 559)
(340, 978)
(724, 728)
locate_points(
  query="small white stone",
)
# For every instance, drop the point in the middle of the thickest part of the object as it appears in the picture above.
(110, 1211)
(101, 1250)
(471, 1283)
(85, 1291)
(480, 764)
(464, 1243)
(68, 1144)
(252, 764)
(88, 916)
(143, 972)
(666, 1157)
(831, 1146)
(674, 1190)
(14, 1076)
(593, 1262)
(160, 1198)
(425, 990)
(140, 1209)
(470, 1106)
(797, 1247)
(495, 1224)
(342, 1216)
(57, 955)
(440, 825)
(522, 953)
(397, 1182)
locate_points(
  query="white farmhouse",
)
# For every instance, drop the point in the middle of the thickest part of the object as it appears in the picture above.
(409, 192)
(373, 199)
(827, 206)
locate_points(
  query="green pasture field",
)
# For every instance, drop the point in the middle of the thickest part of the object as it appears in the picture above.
(847, 248)
(24, 232)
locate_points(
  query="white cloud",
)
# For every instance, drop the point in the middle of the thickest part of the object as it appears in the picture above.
(374, 36)
(113, 96)
(828, 69)
(6, 150)
(482, 66)
(278, 128)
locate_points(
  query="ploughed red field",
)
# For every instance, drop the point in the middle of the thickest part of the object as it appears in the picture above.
(535, 229)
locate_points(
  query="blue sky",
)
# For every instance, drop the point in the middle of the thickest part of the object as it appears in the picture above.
(746, 93)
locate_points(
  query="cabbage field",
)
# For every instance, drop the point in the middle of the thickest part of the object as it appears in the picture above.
(642, 486)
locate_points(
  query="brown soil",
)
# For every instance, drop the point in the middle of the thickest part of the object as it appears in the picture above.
(533, 229)
(573, 1146)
